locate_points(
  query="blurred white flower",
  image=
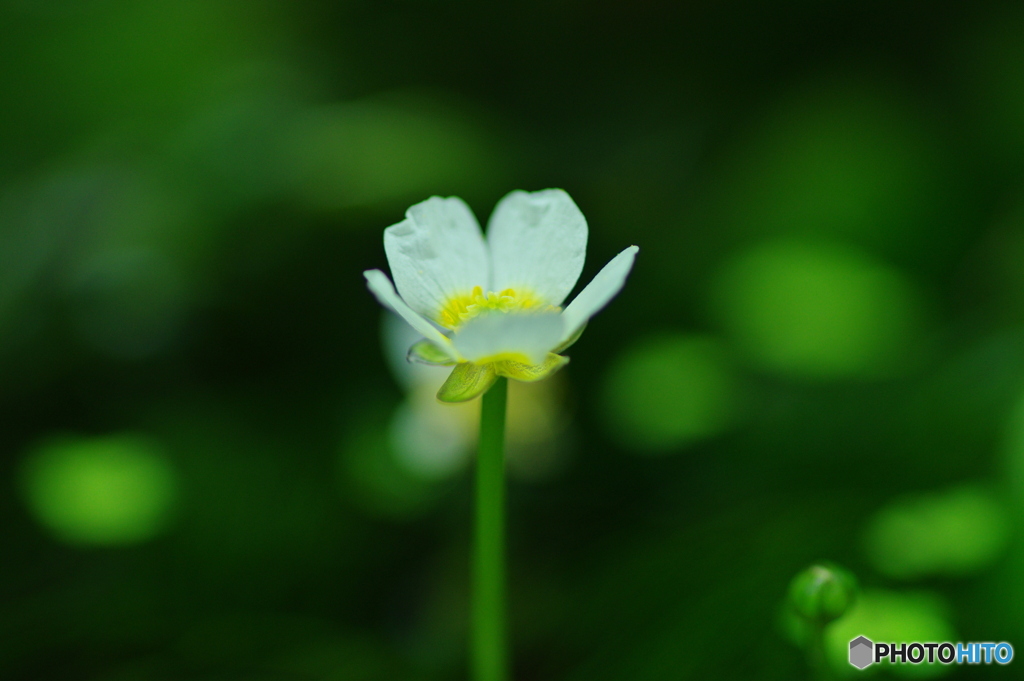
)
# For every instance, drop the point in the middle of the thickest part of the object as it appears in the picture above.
(433, 441)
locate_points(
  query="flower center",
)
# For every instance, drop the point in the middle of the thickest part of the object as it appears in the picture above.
(461, 308)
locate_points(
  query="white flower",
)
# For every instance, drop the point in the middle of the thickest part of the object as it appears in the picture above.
(493, 308)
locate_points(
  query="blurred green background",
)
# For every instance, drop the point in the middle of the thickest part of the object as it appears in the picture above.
(216, 465)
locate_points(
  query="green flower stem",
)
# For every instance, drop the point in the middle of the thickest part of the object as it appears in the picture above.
(816, 658)
(488, 618)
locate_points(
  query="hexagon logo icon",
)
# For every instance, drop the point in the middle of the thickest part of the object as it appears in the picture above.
(861, 650)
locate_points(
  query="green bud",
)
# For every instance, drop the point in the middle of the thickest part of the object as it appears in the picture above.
(823, 592)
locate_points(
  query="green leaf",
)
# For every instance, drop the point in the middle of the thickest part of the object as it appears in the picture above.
(425, 352)
(531, 372)
(466, 381)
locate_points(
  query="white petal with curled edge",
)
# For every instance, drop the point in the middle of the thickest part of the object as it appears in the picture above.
(381, 287)
(525, 338)
(599, 292)
(435, 253)
(538, 242)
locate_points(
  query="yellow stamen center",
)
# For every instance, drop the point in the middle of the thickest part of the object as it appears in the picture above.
(460, 308)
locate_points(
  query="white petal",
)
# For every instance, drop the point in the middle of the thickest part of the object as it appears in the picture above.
(538, 242)
(435, 253)
(488, 336)
(381, 287)
(598, 292)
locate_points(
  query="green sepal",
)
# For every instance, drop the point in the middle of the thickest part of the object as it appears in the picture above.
(571, 339)
(531, 372)
(467, 381)
(425, 352)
